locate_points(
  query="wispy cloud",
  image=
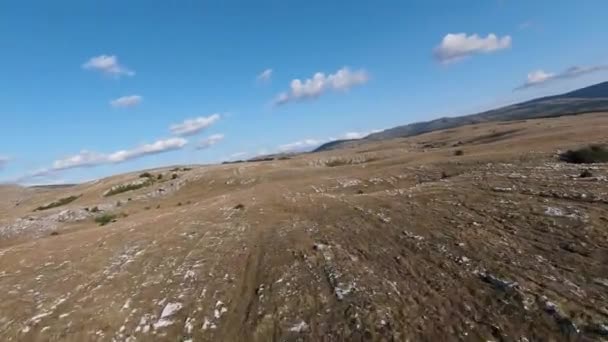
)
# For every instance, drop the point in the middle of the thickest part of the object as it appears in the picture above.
(311, 88)
(209, 141)
(86, 158)
(3, 162)
(540, 77)
(194, 126)
(126, 101)
(108, 65)
(526, 25)
(265, 76)
(238, 154)
(457, 46)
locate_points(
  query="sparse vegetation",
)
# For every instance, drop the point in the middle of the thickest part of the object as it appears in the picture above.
(146, 175)
(586, 174)
(127, 187)
(54, 233)
(174, 176)
(239, 206)
(586, 155)
(94, 209)
(58, 203)
(458, 152)
(104, 219)
(160, 176)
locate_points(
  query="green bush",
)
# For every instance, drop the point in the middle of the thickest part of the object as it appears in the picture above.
(105, 219)
(586, 155)
(58, 203)
(127, 187)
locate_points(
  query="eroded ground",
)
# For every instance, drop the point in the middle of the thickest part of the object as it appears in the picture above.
(399, 240)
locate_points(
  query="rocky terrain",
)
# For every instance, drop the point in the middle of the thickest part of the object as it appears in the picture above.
(477, 233)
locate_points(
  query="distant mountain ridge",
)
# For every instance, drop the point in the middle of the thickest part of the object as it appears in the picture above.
(589, 99)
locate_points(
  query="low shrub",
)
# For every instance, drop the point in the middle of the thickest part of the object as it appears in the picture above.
(127, 187)
(586, 155)
(104, 219)
(58, 203)
(146, 175)
(458, 152)
(586, 174)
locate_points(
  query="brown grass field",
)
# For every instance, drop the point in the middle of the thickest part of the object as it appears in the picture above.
(400, 240)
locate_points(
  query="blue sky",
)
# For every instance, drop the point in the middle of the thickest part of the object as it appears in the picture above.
(384, 63)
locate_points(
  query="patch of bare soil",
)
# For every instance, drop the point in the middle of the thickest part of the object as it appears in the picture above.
(502, 243)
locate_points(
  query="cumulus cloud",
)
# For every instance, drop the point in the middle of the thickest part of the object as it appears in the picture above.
(90, 159)
(540, 77)
(194, 126)
(209, 141)
(108, 65)
(265, 76)
(311, 88)
(126, 101)
(456, 46)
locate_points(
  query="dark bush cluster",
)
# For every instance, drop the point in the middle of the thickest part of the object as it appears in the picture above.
(58, 203)
(586, 155)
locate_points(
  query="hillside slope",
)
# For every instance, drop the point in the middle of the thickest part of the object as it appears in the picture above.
(393, 241)
(585, 100)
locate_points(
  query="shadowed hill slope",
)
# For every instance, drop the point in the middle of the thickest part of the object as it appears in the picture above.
(585, 100)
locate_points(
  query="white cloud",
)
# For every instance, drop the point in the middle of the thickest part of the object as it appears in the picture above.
(300, 146)
(265, 76)
(310, 144)
(3, 162)
(90, 159)
(311, 88)
(540, 77)
(126, 101)
(238, 155)
(209, 141)
(108, 65)
(355, 135)
(456, 46)
(147, 149)
(194, 126)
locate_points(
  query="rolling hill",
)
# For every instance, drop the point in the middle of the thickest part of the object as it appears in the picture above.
(589, 99)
